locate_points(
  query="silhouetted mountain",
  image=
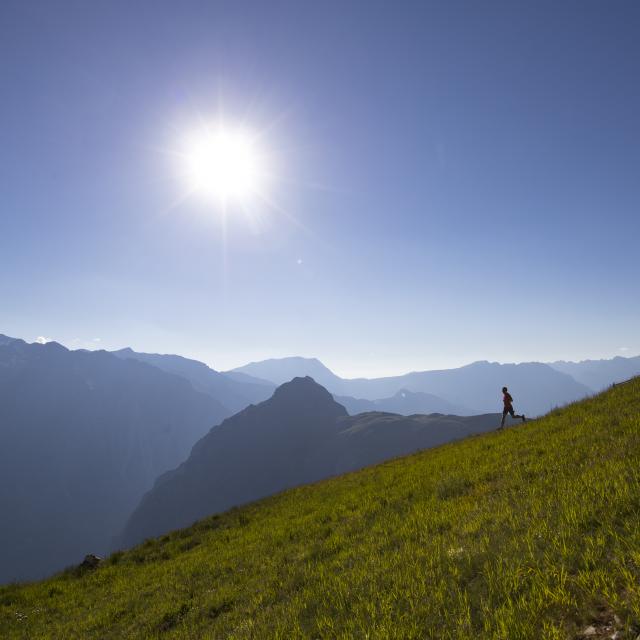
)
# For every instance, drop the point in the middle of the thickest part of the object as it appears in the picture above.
(230, 391)
(301, 434)
(405, 403)
(84, 435)
(4, 340)
(599, 374)
(536, 387)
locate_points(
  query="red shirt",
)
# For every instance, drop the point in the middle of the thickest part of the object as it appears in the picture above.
(507, 399)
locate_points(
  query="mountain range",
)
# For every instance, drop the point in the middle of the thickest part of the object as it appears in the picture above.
(599, 374)
(537, 387)
(232, 390)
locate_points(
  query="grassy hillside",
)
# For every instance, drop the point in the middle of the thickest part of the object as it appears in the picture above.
(533, 532)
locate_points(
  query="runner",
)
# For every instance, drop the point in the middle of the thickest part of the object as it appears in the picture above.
(508, 407)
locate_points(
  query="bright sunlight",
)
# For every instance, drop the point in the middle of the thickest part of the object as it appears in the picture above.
(223, 164)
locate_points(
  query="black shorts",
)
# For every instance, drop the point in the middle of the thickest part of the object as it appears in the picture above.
(508, 410)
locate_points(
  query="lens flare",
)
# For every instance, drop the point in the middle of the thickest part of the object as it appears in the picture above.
(223, 164)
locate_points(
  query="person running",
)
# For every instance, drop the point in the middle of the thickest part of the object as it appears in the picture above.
(508, 407)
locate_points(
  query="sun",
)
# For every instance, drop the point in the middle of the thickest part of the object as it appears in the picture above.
(223, 164)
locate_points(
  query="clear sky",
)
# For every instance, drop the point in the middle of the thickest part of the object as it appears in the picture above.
(453, 181)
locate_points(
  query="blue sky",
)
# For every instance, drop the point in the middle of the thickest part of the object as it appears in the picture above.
(454, 181)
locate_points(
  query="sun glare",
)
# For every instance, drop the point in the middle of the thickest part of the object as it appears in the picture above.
(223, 164)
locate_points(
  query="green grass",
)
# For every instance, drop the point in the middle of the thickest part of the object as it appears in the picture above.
(532, 532)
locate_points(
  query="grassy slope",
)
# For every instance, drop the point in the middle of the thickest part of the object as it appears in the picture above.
(533, 532)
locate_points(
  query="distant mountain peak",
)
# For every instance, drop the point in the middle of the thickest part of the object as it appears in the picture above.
(281, 370)
(303, 392)
(302, 384)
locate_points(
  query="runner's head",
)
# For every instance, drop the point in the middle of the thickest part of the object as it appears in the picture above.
(504, 389)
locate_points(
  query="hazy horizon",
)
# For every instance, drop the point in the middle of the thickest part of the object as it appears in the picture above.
(365, 372)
